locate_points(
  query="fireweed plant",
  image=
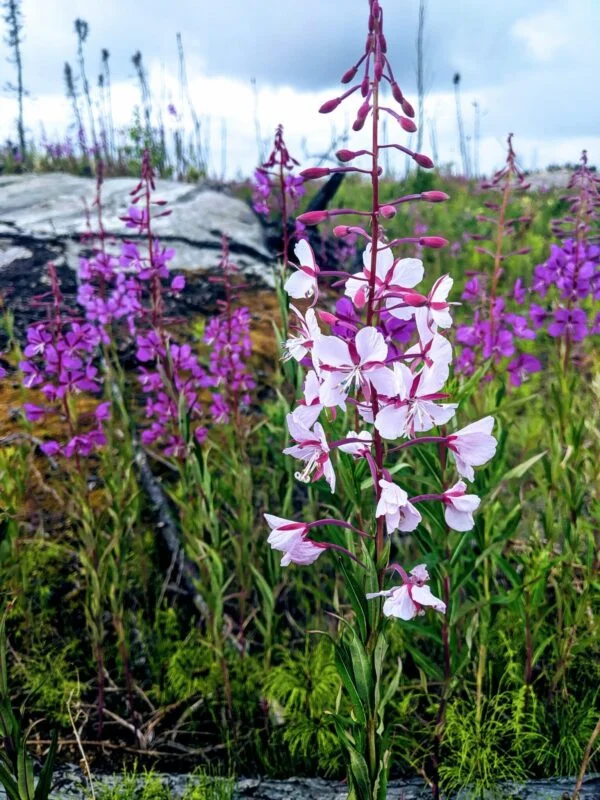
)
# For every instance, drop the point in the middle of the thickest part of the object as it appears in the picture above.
(228, 335)
(493, 336)
(567, 284)
(393, 394)
(275, 188)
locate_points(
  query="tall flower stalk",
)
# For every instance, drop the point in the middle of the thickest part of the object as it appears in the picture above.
(391, 394)
(497, 326)
(568, 282)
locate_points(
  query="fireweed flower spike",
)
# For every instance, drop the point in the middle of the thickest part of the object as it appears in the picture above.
(568, 283)
(275, 187)
(380, 356)
(498, 327)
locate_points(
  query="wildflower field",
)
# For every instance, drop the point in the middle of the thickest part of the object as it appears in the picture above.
(342, 523)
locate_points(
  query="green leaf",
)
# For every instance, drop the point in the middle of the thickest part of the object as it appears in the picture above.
(9, 783)
(25, 774)
(44, 784)
(357, 598)
(344, 667)
(363, 674)
(360, 775)
(521, 469)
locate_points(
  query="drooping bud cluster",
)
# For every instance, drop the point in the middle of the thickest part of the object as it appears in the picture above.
(497, 327)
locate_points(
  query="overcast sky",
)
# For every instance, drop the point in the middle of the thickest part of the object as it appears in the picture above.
(532, 66)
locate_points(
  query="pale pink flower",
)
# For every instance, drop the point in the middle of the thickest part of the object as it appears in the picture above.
(401, 273)
(399, 512)
(302, 284)
(410, 598)
(429, 312)
(472, 446)
(309, 408)
(414, 408)
(360, 362)
(357, 449)
(313, 449)
(459, 507)
(305, 332)
(291, 539)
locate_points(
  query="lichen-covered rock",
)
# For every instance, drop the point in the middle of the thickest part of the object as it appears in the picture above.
(50, 209)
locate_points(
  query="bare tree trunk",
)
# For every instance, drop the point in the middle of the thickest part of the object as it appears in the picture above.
(461, 130)
(82, 30)
(14, 20)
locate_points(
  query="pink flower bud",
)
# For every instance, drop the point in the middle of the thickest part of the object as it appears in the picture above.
(358, 124)
(435, 196)
(397, 94)
(433, 241)
(383, 41)
(364, 86)
(407, 108)
(313, 217)
(378, 69)
(423, 161)
(329, 105)
(407, 124)
(326, 317)
(341, 230)
(346, 155)
(314, 172)
(387, 212)
(349, 75)
(363, 111)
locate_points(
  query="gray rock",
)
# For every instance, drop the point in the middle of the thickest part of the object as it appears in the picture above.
(71, 785)
(50, 209)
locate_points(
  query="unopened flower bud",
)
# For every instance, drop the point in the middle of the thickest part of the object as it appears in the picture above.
(383, 41)
(329, 105)
(423, 161)
(396, 93)
(327, 317)
(433, 241)
(346, 155)
(313, 217)
(314, 172)
(378, 69)
(358, 124)
(407, 108)
(387, 212)
(349, 75)
(363, 111)
(364, 86)
(341, 230)
(435, 196)
(407, 124)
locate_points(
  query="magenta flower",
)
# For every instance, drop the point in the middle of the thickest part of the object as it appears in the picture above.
(573, 322)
